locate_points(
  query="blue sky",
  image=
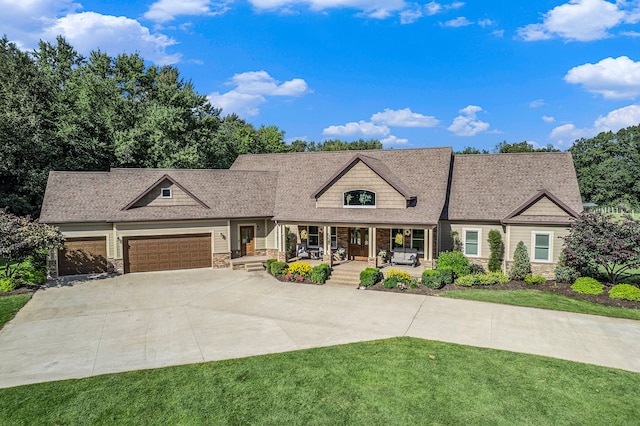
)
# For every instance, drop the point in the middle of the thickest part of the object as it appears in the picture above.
(412, 74)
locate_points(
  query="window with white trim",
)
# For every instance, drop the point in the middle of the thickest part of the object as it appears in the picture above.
(165, 193)
(313, 236)
(472, 242)
(542, 246)
(359, 198)
(417, 239)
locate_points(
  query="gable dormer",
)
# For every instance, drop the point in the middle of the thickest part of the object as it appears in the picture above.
(364, 182)
(543, 207)
(165, 192)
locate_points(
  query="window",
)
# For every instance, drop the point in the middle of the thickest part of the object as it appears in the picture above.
(359, 198)
(334, 237)
(541, 247)
(313, 238)
(417, 240)
(397, 238)
(165, 192)
(471, 242)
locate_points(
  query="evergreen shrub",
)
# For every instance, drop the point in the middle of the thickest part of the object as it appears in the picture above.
(587, 285)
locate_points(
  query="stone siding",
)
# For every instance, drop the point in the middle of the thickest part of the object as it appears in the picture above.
(221, 260)
(547, 270)
(272, 253)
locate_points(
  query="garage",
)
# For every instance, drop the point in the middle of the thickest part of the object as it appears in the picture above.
(83, 256)
(167, 253)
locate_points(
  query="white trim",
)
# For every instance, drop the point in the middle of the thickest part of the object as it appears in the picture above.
(464, 241)
(166, 196)
(424, 239)
(375, 196)
(533, 246)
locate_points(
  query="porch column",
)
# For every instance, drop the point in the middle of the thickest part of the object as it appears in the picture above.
(326, 244)
(373, 258)
(430, 249)
(282, 243)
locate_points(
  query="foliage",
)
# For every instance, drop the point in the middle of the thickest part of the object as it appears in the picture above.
(279, 268)
(300, 269)
(320, 273)
(476, 268)
(33, 277)
(587, 285)
(447, 275)
(471, 150)
(597, 240)
(370, 276)
(492, 278)
(400, 275)
(534, 279)
(565, 274)
(268, 264)
(496, 249)
(457, 242)
(521, 265)
(455, 261)
(505, 148)
(20, 238)
(8, 284)
(625, 292)
(391, 282)
(432, 278)
(291, 241)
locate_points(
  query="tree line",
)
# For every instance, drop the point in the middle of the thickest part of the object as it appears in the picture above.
(62, 111)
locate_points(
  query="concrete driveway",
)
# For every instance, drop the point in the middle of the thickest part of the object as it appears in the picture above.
(148, 320)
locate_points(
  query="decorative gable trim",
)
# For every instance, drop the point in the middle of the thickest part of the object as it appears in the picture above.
(158, 182)
(513, 216)
(377, 167)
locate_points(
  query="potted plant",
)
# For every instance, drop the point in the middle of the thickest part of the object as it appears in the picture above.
(340, 252)
(382, 255)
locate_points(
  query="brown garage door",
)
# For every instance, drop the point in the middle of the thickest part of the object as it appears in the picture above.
(83, 256)
(166, 253)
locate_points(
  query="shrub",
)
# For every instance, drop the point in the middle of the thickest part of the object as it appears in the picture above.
(269, 263)
(521, 265)
(625, 292)
(432, 278)
(454, 261)
(279, 268)
(534, 279)
(476, 269)
(466, 280)
(587, 285)
(7, 284)
(495, 247)
(33, 277)
(415, 283)
(447, 275)
(300, 269)
(492, 278)
(390, 282)
(400, 276)
(320, 273)
(370, 276)
(565, 274)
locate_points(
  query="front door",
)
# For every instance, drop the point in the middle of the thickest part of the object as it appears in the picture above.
(247, 245)
(359, 243)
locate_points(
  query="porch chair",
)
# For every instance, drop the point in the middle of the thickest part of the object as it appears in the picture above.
(302, 252)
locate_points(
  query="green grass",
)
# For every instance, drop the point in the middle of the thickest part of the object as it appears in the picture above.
(544, 300)
(10, 305)
(385, 382)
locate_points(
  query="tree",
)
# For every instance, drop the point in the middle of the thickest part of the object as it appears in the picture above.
(504, 147)
(521, 265)
(600, 241)
(495, 247)
(20, 238)
(471, 150)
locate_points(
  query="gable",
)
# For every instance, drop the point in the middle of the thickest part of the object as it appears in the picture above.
(544, 207)
(165, 192)
(359, 177)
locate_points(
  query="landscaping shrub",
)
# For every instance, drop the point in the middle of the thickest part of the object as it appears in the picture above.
(278, 268)
(447, 275)
(7, 284)
(587, 285)
(565, 274)
(492, 278)
(466, 280)
(399, 275)
(625, 292)
(390, 282)
(534, 279)
(432, 278)
(495, 247)
(33, 277)
(476, 269)
(521, 265)
(370, 276)
(300, 269)
(269, 263)
(320, 273)
(455, 261)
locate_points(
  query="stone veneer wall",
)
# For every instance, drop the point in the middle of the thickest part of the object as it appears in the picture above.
(383, 239)
(261, 252)
(272, 253)
(116, 265)
(342, 235)
(52, 268)
(221, 260)
(547, 270)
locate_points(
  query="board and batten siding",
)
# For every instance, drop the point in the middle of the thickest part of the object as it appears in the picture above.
(524, 233)
(360, 176)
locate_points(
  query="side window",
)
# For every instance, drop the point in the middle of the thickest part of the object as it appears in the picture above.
(472, 242)
(417, 239)
(541, 247)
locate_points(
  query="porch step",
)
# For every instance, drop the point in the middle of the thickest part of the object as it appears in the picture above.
(344, 278)
(253, 267)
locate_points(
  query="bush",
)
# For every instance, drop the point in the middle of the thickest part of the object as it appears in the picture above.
(400, 276)
(454, 261)
(279, 268)
(320, 273)
(565, 274)
(492, 278)
(476, 269)
(447, 275)
(33, 277)
(587, 285)
(625, 292)
(269, 263)
(521, 265)
(370, 276)
(495, 246)
(466, 280)
(300, 269)
(534, 279)
(432, 278)
(7, 284)
(390, 282)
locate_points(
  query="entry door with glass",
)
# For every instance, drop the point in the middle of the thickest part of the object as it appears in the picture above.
(247, 246)
(359, 243)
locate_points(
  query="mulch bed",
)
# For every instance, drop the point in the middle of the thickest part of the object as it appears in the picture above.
(552, 286)
(22, 289)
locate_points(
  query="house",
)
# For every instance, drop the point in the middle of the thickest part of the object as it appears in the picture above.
(133, 220)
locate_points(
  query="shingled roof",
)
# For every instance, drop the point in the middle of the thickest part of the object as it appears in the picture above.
(73, 197)
(417, 173)
(490, 187)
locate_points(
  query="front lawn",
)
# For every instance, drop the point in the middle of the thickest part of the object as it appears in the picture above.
(10, 305)
(544, 300)
(394, 381)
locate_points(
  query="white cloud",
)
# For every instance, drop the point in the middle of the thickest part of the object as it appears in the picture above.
(485, 22)
(536, 103)
(404, 118)
(251, 90)
(468, 124)
(580, 20)
(167, 10)
(393, 140)
(378, 9)
(364, 128)
(617, 78)
(460, 21)
(498, 33)
(548, 119)
(416, 11)
(615, 120)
